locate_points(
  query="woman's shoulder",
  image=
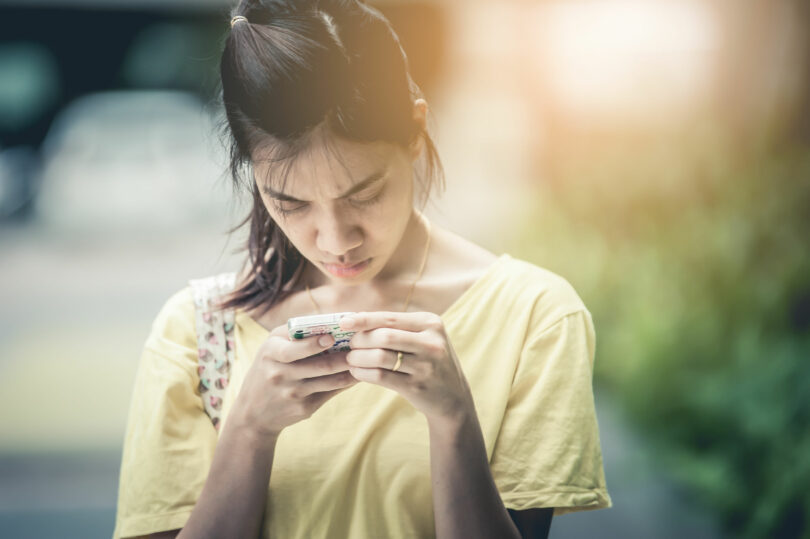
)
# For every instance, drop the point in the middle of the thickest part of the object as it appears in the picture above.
(547, 295)
(174, 321)
(503, 281)
(462, 256)
(198, 291)
(538, 281)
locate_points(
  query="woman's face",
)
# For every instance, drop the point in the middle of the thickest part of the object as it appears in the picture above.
(348, 218)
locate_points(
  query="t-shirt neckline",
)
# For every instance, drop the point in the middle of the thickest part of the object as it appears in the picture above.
(446, 315)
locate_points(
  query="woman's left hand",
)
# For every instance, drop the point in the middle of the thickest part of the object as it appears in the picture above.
(430, 375)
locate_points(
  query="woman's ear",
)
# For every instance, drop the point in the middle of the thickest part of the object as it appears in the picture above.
(420, 108)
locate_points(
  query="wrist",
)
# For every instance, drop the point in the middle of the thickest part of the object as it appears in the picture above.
(244, 427)
(452, 424)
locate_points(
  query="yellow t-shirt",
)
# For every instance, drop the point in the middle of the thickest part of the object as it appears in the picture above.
(360, 465)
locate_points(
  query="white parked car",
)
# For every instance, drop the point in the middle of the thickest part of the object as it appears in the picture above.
(134, 159)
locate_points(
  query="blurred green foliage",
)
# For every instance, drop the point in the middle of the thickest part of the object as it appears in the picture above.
(693, 254)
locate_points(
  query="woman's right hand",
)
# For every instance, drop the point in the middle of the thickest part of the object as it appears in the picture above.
(285, 385)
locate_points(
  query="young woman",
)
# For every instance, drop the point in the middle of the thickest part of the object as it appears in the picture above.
(464, 407)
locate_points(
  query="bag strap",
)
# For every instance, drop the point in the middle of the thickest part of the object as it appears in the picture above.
(215, 342)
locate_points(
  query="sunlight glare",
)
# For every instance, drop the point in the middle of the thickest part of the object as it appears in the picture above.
(603, 54)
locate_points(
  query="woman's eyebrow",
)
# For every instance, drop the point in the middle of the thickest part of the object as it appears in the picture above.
(352, 190)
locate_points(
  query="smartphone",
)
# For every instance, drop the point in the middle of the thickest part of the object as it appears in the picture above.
(300, 327)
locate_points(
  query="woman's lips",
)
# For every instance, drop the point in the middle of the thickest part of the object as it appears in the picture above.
(347, 271)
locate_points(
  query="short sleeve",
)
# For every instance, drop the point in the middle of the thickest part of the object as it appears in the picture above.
(169, 441)
(547, 453)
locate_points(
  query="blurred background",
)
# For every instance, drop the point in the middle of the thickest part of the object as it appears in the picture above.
(656, 153)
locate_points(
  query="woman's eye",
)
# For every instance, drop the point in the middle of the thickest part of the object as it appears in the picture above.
(286, 209)
(366, 201)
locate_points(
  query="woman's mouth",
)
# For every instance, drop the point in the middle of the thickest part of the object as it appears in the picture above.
(339, 270)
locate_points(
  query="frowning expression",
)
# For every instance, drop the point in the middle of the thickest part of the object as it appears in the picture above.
(344, 205)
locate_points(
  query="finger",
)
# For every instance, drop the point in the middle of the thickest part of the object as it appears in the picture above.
(280, 331)
(416, 321)
(377, 358)
(316, 400)
(320, 384)
(319, 365)
(391, 339)
(380, 377)
(270, 343)
(288, 351)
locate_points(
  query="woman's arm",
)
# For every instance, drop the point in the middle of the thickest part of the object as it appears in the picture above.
(466, 502)
(533, 523)
(286, 383)
(233, 499)
(276, 393)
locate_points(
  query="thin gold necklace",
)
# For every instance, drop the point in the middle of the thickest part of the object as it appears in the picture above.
(413, 284)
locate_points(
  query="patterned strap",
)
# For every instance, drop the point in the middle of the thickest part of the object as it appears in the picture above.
(215, 342)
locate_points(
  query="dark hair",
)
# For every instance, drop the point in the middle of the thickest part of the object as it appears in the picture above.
(293, 68)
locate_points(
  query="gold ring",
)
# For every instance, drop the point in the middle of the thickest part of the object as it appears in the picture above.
(398, 363)
(237, 19)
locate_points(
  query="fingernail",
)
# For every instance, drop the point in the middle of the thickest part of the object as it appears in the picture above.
(325, 340)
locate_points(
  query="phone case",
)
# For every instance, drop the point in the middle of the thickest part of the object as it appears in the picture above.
(300, 327)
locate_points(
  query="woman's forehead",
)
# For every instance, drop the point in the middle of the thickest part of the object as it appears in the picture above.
(324, 167)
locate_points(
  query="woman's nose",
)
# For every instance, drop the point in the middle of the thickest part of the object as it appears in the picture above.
(337, 236)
